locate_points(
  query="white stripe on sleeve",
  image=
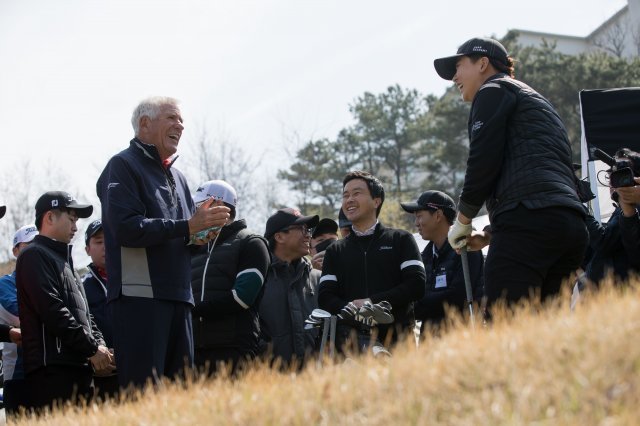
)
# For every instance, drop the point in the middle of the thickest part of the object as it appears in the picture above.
(411, 263)
(328, 278)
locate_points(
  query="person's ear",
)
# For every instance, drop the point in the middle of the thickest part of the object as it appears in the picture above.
(377, 201)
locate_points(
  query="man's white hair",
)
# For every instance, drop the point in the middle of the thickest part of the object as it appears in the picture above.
(150, 107)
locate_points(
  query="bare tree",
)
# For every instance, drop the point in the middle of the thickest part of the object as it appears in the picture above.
(614, 38)
(218, 156)
(21, 185)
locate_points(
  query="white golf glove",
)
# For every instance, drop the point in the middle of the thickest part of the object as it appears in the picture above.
(458, 233)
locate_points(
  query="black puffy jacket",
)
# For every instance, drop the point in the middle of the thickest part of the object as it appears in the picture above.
(218, 320)
(57, 328)
(519, 152)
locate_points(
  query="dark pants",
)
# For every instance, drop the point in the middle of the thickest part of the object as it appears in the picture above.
(54, 385)
(533, 251)
(15, 394)
(106, 387)
(152, 338)
(208, 361)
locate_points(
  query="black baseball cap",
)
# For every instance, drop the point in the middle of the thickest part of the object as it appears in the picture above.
(286, 217)
(343, 222)
(431, 200)
(325, 226)
(446, 67)
(92, 230)
(53, 200)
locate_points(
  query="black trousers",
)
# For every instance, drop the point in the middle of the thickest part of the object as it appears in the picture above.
(208, 361)
(54, 385)
(15, 395)
(533, 251)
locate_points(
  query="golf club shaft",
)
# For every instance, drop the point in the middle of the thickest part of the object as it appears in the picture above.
(467, 282)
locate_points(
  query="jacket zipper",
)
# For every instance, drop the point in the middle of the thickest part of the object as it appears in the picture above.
(44, 347)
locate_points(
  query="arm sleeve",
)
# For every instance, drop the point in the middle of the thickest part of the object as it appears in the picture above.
(329, 291)
(411, 286)
(630, 231)
(125, 211)
(487, 137)
(252, 270)
(604, 238)
(38, 278)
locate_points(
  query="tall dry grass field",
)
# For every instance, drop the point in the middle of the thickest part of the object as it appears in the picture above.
(549, 366)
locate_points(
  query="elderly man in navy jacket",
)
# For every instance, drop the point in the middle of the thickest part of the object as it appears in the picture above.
(149, 220)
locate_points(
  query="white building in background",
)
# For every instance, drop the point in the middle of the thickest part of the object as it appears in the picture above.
(618, 35)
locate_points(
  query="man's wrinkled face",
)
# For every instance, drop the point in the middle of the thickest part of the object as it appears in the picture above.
(164, 131)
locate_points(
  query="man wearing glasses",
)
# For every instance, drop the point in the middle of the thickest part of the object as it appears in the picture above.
(290, 288)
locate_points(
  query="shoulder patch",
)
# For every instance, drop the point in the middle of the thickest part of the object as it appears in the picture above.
(485, 86)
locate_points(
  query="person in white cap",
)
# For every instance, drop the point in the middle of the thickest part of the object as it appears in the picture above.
(227, 282)
(14, 392)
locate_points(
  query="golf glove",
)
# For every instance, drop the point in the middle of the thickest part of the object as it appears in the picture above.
(458, 233)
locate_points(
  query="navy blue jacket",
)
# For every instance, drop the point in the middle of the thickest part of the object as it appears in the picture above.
(95, 288)
(145, 212)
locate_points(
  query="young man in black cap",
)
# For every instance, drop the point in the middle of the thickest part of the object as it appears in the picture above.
(95, 287)
(519, 165)
(60, 341)
(290, 293)
(434, 213)
(227, 281)
(323, 236)
(373, 263)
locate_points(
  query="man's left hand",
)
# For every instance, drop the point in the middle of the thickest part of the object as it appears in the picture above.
(459, 231)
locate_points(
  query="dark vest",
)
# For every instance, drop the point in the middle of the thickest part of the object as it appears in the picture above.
(242, 329)
(536, 170)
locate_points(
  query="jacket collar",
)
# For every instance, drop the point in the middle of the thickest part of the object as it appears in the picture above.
(62, 249)
(151, 152)
(231, 229)
(377, 231)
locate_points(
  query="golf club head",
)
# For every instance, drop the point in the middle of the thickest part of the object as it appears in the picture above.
(320, 313)
(380, 351)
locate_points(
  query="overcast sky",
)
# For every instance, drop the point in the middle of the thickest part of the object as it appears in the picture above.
(72, 71)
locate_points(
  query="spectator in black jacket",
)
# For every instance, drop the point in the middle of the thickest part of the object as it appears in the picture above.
(434, 214)
(629, 200)
(323, 235)
(290, 290)
(60, 341)
(227, 276)
(616, 245)
(95, 288)
(373, 263)
(8, 333)
(519, 165)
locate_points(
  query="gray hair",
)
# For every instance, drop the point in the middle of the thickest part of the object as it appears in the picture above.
(149, 107)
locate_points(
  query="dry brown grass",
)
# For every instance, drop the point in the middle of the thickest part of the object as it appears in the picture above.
(546, 366)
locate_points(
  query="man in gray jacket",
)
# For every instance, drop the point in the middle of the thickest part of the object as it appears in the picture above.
(290, 290)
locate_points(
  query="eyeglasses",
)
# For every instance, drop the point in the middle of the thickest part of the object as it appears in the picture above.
(302, 228)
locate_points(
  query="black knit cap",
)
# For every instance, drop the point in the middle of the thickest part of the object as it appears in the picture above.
(446, 67)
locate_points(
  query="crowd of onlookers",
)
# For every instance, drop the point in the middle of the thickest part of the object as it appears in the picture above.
(177, 281)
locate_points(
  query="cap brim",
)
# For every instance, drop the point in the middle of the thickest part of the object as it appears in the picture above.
(411, 207)
(310, 221)
(3, 211)
(82, 210)
(446, 67)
